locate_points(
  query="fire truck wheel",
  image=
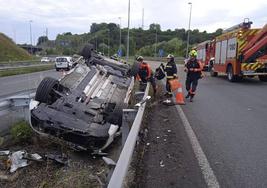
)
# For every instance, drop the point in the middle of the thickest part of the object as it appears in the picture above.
(212, 73)
(230, 74)
(263, 78)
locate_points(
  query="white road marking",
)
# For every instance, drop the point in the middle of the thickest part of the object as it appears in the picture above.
(203, 162)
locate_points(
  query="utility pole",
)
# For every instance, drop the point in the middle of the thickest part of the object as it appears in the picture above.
(188, 32)
(31, 35)
(103, 46)
(128, 36)
(108, 40)
(156, 43)
(120, 35)
(143, 18)
(96, 43)
(15, 37)
(46, 32)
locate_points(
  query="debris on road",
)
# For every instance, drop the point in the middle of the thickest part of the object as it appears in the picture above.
(61, 159)
(33, 157)
(17, 161)
(161, 164)
(4, 152)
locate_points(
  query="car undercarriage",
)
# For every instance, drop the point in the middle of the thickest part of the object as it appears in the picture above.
(84, 107)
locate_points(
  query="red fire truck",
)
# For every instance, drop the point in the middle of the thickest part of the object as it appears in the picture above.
(205, 53)
(239, 52)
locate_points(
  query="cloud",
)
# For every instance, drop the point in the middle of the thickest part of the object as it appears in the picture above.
(77, 16)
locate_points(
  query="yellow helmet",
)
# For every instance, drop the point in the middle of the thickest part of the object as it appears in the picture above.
(193, 53)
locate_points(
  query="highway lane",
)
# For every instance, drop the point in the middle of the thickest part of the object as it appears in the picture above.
(24, 83)
(229, 120)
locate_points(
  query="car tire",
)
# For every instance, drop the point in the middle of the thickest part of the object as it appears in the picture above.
(213, 73)
(57, 69)
(263, 78)
(44, 92)
(230, 74)
(86, 51)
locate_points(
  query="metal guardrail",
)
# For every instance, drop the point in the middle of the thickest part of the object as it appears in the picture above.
(123, 163)
(15, 63)
(24, 66)
(8, 103)
(121, 169)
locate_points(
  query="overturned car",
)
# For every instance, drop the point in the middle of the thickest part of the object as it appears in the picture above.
(84, 108)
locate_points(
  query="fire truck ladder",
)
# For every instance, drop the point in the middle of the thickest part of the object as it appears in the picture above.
(257, 47)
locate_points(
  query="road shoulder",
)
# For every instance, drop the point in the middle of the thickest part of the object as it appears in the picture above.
(166, 158)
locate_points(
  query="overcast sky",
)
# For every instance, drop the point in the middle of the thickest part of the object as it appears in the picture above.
(77, 16)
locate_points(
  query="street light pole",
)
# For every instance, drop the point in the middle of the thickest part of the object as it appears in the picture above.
(156, 43)
(108, 41)
(128, 36)
(188, 32)
(120, 35)
(31, 34)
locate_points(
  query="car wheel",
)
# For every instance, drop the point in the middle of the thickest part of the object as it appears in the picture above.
(45, 91)
(57, 69)
(230, 74)
(86, 51)
(263, 78)
(213, 73)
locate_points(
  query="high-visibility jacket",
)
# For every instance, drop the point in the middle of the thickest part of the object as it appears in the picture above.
(170, 69)
(144, 72)
(194, 68)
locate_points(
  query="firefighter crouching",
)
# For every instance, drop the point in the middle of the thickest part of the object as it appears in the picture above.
(193, 68)
(171, 73)
(145, 74)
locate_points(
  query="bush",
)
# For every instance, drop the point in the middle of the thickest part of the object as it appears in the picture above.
(21, 131)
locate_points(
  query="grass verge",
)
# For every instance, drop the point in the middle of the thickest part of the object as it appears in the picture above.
(25, 70)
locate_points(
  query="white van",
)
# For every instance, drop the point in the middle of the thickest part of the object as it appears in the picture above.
(63, 63)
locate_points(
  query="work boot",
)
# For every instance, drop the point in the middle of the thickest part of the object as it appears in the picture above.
(168, 94)
(191, 98)
(187, 96)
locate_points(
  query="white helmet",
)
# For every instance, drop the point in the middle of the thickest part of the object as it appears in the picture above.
(170, 56)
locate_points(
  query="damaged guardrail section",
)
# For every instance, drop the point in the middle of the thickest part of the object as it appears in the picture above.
(124, 160)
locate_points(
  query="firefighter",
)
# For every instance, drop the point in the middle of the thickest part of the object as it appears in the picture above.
(193, 68)
(171, 73)
(145, 73)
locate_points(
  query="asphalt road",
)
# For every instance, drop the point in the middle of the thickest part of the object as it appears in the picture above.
(229, 120)
(24, 83)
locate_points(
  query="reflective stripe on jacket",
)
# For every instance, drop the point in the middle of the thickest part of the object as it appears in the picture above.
(170, 69)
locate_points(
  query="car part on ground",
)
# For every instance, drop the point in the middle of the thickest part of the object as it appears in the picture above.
(84, 108)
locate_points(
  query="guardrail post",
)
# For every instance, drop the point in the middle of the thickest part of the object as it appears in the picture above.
(128, 116)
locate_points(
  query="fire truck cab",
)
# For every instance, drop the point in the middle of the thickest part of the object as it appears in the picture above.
(241, 52)
(205, 53)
